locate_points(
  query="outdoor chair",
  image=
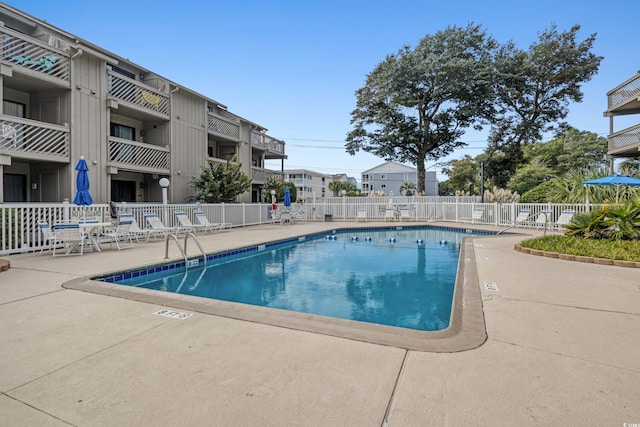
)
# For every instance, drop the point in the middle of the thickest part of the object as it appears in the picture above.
(478, 214)
(361, 214)
(117, 234)
(70, 237)
(158, 227)
(203, 220)
(285, 217)
(389, 213)
(544, 218)
(405, 213)
(134, 229)
(565, 217)
(186, 223)
(523, 216)
(48, 234)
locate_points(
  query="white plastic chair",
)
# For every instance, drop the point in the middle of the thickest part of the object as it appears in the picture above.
(186, 223)
(71, 238)
(117, 234)
(389, 213)
(49, 236)
(134, 229)
(361, 214)
(202, 219)
(157, 226)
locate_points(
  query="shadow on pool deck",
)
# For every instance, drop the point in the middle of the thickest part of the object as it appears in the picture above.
(561, 349)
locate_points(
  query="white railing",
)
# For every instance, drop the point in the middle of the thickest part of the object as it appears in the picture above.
(265, 141)
(133, 92)
(23, 137)
(30, 54)
(139, 155)
(20, 233)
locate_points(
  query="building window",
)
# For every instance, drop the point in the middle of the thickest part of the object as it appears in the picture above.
(383, 176)
(383, 186)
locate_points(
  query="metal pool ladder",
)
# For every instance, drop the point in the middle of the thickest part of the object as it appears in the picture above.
(183, 249)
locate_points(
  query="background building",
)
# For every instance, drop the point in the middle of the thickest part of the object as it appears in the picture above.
(310, 185)
(388, 177)
(64, 98)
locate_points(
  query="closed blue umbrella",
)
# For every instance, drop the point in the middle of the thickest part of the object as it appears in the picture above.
(287, 197)
(616, 180)
(83, 198)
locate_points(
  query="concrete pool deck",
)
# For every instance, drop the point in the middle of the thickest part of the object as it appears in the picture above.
(562, 348)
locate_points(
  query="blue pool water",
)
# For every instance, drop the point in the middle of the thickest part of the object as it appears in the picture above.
(401, 277)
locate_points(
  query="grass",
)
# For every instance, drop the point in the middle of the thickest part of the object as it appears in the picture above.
(623, 250)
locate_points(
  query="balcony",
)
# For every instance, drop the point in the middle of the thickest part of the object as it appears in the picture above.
(30, 139)
(138, 156)
(33, 58)
(625, 143)
(140, 97)
(274, 148)
(261, 175)
(220, 126)
(625, 98)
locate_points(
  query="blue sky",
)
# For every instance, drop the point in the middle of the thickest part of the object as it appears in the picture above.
(294, 67)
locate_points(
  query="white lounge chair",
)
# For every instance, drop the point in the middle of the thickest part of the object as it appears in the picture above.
(186, 223)
(544, 218)
(202, 219)
(565, 217)
(286, 217)
(134, 229)
(523, 216)
(117, 234)
(405, 213)
(362, 214)
(389, 213)
(158, 227)
(478, 214)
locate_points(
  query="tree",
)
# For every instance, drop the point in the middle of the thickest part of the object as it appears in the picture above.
(278, 185)
(221, 182)
(529, 176)
(408, 188)
(533, 91)
(417, 103)
(464, 175)
(337, 186)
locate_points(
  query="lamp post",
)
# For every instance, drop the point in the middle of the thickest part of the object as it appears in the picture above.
(164, 183)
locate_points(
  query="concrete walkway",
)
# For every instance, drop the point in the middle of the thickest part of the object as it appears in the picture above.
(563, 348)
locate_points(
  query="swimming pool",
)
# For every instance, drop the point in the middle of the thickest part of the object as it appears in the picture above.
(397, 276)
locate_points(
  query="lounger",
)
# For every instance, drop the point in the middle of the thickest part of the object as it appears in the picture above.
(523, 216)
(389, 213)
(213, 226)
(544, 218)
(158, 227)
(478, 214)
(565, 217)
(186, 223)
(134, 229)
(405, 213)
(362, 214)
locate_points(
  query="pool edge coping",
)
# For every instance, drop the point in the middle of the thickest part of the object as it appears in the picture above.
(466, 330)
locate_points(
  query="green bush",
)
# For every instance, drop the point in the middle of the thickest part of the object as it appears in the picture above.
(617, 222)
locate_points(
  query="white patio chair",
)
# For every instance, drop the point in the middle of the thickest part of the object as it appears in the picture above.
(214, 226)
(405, 213)
(389, 213)
(117, 234)
(70, 237)
(565, 217)
(477, 215)
(523, 216)
(186, 223)
(544, 218)
(361, 214)
(158, 227)
(134, 229)
(48, 234)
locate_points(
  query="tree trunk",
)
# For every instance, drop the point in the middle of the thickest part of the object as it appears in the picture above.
(421, 175)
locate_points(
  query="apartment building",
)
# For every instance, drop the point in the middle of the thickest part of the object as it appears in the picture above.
(623, 100)
(388, 177)
(64, 98)
(310, 186)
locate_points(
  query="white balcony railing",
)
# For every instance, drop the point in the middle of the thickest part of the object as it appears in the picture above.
(33, 55)
(133, 92)
(224, 127)
(261, 175)
(138, 156)
(29, 138)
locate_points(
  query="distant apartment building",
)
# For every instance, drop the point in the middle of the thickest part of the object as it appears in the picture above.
(389, 177)
(624, 99)
(64, 98)
(310, 186)
(341, 177)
